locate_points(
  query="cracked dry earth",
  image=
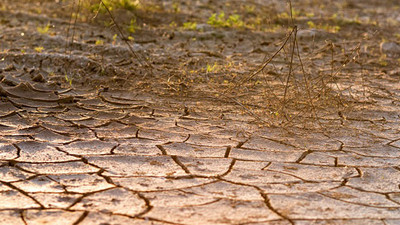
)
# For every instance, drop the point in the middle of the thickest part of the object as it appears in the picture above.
(80, 155)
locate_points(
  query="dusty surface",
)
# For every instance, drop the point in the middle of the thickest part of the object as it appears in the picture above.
(91, 135)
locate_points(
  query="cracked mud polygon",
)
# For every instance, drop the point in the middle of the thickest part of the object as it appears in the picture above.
(200, 112)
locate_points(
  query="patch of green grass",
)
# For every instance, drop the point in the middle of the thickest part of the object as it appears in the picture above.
(130, 5)
(285, 15)
(326, 27)
(212, 68)
(173, 24)
(382, 60)
(114, 39)
(99, 42)
(219, 20)
(175, 7)
(190, 26)
(249, 8)
(69, 80)
(39, 49)
(44, 29)
(133, 26)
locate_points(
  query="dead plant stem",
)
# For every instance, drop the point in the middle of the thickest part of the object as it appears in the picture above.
(262, 67)
(125, 39)
(76, 18)
(68, 28)
(290, 69)
(307, 86)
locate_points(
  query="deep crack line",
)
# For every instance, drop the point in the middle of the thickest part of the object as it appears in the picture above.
(356, 203)
(162, 149)
(23, 217)
(228, 151)
(304, 155)
(81, 218)
(106, 178)
(177, 161)
(229, 169)
(18, 151)
(148, 205)
(22, 192)
(241, 143)
(84, 195)
(147, 218)
(267, 202)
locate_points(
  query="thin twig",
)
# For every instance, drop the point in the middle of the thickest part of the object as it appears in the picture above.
(248, 110)
(262, 67)
(290, 68)
(291, 13)
(69, 27)
(306, 84)
(76, 18)
(125, 39)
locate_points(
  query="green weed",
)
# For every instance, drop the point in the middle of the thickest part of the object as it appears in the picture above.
(326, 27)
(212, 68)
(133, 26)
(44, 29)
(114, 39)
(190, 26)
(39, 49)
(382, 60)
(173, 24)
(249, 8)
(219, 20)
(285, 15)
(130, 5)
(97, 7)
(69, 80)
(99, 42)
(175, 7)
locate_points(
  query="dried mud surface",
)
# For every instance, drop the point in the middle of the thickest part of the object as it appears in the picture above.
(90, 134)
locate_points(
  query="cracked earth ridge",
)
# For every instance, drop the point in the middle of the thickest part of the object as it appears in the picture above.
(79, 156)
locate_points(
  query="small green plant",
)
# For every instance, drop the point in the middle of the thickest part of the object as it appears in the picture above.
(44, 29)
(99, 42)
(326, 27)
(218, 20)
(114, 39)
(311, 25)
(255, 23)
(190, 26)
(285, 15)
(175, 7)
(39, 49)
(114, 4)
(69, 80)
(250, 8)
(310, 15)
(382, 60)
(234, 21)
(173, 24)
(212, 68)
(133, 26)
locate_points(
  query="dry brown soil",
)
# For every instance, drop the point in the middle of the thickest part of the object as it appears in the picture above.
(270, 117)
